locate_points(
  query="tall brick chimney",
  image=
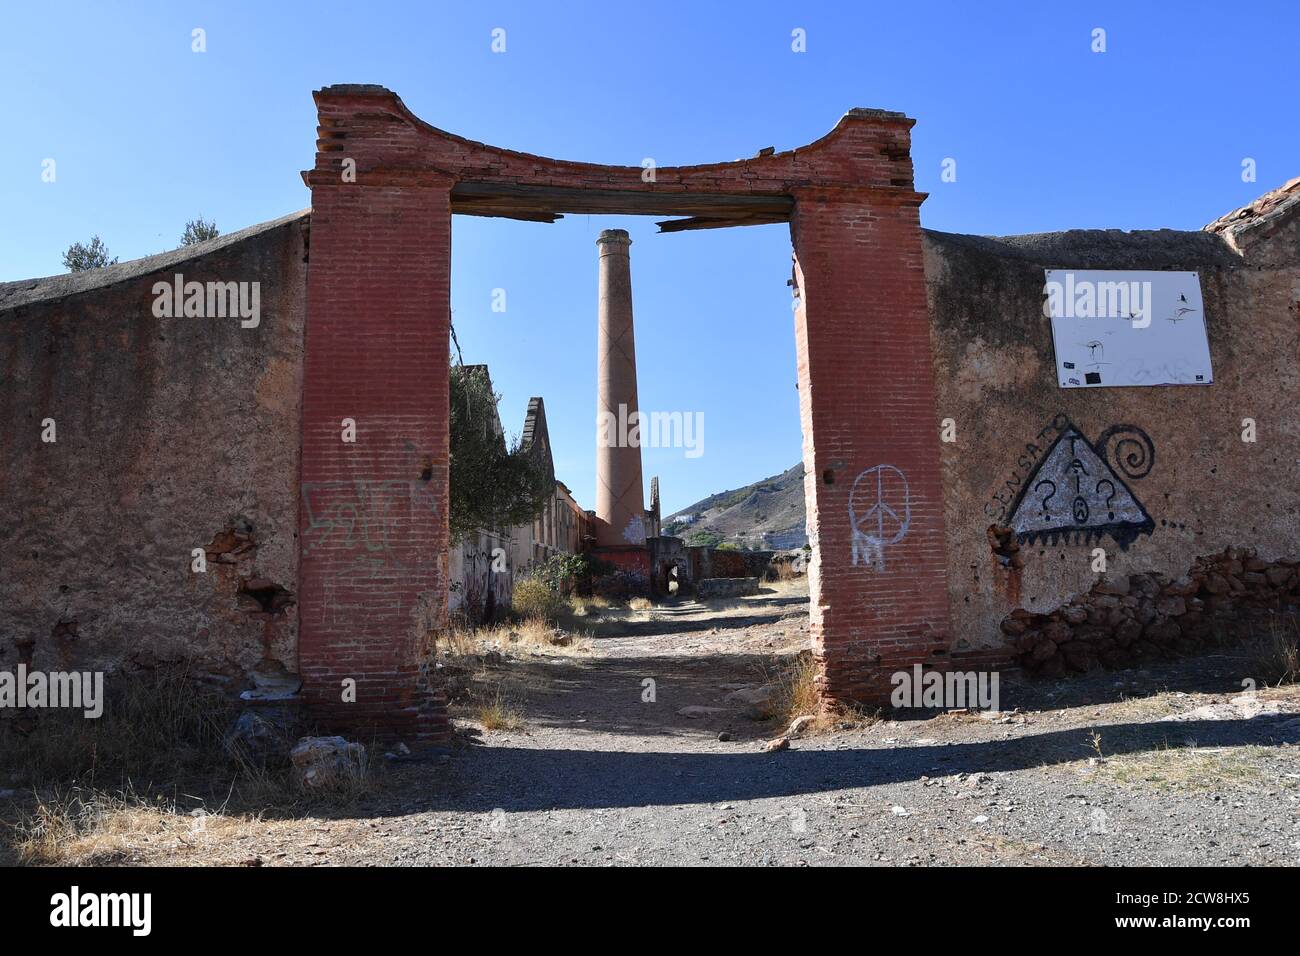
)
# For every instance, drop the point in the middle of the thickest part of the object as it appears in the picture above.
(620, 499)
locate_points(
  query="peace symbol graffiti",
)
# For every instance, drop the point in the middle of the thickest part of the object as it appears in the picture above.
(880, 511)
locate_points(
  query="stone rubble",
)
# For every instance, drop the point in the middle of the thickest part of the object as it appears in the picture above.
(1123, 622)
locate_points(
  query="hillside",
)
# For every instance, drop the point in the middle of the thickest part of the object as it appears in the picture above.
(766, 514)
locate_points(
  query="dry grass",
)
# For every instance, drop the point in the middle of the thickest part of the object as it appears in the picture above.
(540, 635)
(162, 724)
(84, 826)
(796, 690)
(783, 571)
(797, 696)
(496, 712)
(81, 825)
(101, 789)
(582, 606)
(1277, 653)
(465, 644)
(605, 616)
(1193, 769)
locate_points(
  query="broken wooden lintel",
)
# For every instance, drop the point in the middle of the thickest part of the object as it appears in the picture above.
(716, 222)
(531, 201)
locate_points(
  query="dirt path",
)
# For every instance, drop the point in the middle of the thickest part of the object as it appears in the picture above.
(1182, 770)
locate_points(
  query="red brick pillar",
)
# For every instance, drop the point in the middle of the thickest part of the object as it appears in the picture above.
(872, 482)
(373, 514)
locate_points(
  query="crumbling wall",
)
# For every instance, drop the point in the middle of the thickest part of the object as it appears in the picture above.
(1177, 449)
(171, 434)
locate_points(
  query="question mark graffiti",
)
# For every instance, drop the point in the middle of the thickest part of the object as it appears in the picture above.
(1050, 495)
(1110, 512)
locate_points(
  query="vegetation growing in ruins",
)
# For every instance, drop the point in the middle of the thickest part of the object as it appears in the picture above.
(492, 484)
(92, 255)
(569, 573)
(199, 230)
(1277, 653)
(534, 600)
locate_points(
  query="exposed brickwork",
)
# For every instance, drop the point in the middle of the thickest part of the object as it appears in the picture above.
(372, 126)
(373, 514)
(866, 399)
(376, 346)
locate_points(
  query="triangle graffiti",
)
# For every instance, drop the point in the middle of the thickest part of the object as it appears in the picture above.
(1075, 496)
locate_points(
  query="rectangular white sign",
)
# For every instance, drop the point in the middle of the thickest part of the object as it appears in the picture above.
(1115, 328)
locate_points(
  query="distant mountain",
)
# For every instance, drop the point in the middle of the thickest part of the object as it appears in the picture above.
(766, 514)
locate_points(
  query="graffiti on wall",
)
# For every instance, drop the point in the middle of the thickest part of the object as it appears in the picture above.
(364, 518)
(1074, 491)
(880, 512)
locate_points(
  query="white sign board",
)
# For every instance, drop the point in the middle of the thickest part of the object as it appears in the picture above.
(1114, 328)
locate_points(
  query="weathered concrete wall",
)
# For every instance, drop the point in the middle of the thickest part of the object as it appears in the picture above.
(172, 434)
(478, 589)
(1203, 487)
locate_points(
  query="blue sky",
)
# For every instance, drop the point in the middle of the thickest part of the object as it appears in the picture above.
(1047, 135)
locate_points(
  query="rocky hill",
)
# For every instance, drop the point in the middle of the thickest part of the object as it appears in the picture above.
(766, 514)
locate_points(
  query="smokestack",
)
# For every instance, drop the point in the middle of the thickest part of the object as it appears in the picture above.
(620, 500)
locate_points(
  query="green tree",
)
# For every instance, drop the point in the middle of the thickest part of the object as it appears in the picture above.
(198, 230)
(93, 255)
(492, 484)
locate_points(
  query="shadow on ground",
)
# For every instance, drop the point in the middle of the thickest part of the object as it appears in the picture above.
(522, 779)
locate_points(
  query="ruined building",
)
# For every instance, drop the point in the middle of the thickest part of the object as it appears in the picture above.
(932, 408)
(483, 567)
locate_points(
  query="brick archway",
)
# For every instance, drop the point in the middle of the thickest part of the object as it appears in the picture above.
(373, 523)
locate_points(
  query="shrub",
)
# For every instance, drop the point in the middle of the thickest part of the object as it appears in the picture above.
(533, 599)
(567, 573)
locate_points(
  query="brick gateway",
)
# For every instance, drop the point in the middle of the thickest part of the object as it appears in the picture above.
(373, 515)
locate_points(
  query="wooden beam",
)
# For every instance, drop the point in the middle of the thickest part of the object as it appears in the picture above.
(525, 215)
(517, 201)
(715, 222)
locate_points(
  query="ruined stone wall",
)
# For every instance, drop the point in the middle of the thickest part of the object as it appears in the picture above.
(1177, 449)
(171, 434)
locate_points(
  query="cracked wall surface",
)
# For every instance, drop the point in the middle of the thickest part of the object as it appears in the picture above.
(1178, 450)
(173, 434)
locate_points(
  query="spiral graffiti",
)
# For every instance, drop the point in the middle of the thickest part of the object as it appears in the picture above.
(1128, 449)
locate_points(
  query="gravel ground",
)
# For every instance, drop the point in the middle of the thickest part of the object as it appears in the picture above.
(1188, 773)
(1182, 770)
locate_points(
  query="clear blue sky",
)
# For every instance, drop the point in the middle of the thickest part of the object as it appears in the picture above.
(1046, 134)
